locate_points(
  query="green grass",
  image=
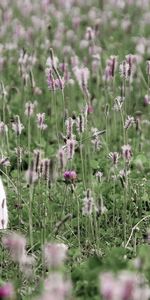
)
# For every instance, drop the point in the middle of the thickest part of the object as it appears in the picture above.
(51, 210)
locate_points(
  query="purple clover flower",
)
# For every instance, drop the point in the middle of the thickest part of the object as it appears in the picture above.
(70, 176)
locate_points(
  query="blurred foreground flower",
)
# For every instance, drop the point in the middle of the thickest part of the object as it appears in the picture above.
(55, 254)
(16, 244)
(7, 291)
(125, 286)
(56, 287)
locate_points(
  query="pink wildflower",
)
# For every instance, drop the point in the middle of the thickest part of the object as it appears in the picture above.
(41, 121)
(124, 69)
(129, 122)
(80, 123)
(16, 244)
(62, 158)
(31, 176)
(70, 176)
(29, 109)
(88, 203)
(110, 68)
(126, 152)
(70, 148)
(55, 84)
(6, 291)
(82, 76)
(69, 127)
(17, 126)
(114, 156)
(131, 59)
(99, 175)
(55, 254)
(56, 287)
(90, 109)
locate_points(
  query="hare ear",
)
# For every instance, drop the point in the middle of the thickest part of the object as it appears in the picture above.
(3, 207)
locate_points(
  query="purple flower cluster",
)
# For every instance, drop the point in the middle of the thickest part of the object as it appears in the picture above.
(70, 176)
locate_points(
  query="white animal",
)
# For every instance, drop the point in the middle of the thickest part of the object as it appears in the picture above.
(3, 207)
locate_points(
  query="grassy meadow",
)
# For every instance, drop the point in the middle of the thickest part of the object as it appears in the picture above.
(75, 149)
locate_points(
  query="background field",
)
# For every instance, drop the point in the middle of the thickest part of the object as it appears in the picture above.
(79, 174)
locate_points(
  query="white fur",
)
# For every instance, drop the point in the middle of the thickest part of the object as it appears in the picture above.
(3, 207)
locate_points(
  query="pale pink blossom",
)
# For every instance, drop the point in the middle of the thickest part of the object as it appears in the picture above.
(129, 122)
(126, 152)
(16, 244)
(41, 121)
(56, 287)
(110, 68)
(70, 148)
(54, 254)
(88, 203)
(124, 69)
(114, 156)
(29, 109)
(17, 126)
(82, 76)
(69, 127)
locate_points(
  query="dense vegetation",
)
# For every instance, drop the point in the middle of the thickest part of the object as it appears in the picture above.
(75, 149)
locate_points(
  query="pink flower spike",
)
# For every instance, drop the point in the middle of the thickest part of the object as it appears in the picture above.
(114, 156)
(126, 152)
